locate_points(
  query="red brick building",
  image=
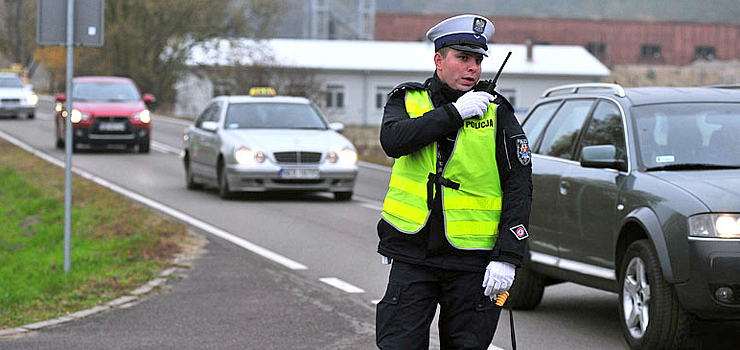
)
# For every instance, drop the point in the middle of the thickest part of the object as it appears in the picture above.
(614, 42)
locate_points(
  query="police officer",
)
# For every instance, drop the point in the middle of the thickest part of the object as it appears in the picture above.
(454, 220)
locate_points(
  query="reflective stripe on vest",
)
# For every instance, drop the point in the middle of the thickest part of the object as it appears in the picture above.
(472, 210)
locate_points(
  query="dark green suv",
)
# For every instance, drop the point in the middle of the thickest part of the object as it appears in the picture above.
(637, 191)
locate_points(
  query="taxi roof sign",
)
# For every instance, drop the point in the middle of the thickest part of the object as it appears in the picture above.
(262, 91)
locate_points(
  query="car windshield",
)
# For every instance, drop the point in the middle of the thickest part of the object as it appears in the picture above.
(687, 136)
(10, 82)
(273, 116)
(107, 92)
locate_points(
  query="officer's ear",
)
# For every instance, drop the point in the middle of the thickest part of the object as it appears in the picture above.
(438, 57)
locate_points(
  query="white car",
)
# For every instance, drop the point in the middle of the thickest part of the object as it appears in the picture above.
(268, 143)
(16, 98)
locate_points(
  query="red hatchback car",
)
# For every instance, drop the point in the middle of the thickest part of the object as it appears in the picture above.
(106, 110)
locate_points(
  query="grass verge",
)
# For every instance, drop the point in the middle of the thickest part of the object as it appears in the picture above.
(117, 244)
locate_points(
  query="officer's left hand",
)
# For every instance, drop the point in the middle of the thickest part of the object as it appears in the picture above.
(498, 277)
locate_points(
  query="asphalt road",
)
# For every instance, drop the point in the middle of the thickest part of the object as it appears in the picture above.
(308, 280)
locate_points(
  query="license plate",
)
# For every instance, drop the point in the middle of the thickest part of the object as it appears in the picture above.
(112, 127)
(299, 173)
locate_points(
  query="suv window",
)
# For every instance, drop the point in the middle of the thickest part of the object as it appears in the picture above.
(538, 119)
(564, 128)
(606, 128)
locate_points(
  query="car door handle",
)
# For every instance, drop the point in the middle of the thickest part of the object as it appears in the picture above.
(564, 187)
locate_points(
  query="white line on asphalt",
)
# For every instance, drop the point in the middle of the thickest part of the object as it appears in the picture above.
(374, 166)
(291, 264)
(165, 148)
(339, 284)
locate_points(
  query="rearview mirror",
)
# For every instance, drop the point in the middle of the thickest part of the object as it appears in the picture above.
(149, 98)
(602, 156)
(61, 97)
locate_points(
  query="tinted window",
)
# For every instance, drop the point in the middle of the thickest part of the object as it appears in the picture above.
(688, 133)
(109, 92)
(563, 130)
(538, 119)
(606, 128)
(273, 116)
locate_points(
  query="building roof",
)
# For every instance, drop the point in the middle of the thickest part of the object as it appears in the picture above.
(391, 56)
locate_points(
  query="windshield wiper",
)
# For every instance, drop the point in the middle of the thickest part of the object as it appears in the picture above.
(692, 166)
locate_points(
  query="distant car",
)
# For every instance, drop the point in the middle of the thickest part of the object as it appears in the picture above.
(16, 98)
(268, 143)
(106, 111)
(637, 191)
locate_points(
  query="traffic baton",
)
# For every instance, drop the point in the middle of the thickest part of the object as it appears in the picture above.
(500, 300)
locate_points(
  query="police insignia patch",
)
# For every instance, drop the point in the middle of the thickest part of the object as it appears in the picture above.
(522, 151)
(519, 231)
(479, 25)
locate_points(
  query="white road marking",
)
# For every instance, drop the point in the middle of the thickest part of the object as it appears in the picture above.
(291, 264)
(165, 148)
(339, 284)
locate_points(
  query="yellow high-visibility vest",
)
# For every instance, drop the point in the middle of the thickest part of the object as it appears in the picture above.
(471, 188)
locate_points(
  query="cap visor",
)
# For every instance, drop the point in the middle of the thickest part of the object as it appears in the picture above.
(473, 49)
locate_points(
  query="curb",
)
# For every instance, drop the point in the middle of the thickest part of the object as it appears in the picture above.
(182, 262)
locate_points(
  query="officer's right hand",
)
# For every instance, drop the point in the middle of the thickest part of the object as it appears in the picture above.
(473, 103)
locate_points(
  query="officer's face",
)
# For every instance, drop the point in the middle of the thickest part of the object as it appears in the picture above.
(458, 69)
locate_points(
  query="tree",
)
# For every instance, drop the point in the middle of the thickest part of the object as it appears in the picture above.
(18, 32)
(150, 40)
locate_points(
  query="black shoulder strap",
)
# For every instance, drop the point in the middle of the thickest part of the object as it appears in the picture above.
(411, 86)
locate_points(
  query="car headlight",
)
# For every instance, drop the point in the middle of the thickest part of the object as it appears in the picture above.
(59, 107)
(244, 156)
(143, 116)
(78, 116)
(347, 156)
(715, 225)
(32, 99)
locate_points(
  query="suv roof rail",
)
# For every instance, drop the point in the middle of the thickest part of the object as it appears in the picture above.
(617, 89)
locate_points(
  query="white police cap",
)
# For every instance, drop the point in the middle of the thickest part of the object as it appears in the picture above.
(464, 32)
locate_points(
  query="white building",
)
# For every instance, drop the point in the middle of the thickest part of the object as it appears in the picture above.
(357, 75)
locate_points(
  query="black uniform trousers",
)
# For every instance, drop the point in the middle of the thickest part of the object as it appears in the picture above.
(467, 318)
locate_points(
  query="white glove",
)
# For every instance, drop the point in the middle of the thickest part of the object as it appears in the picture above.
(473, 103)
(498, 278)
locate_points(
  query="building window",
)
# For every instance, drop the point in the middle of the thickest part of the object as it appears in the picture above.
(596, 49)
(705, 52)
(650, 52)
(381, 96)
(335, 96)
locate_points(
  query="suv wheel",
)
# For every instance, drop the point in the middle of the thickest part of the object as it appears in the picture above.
(526, 291)
(144, 146)
(650, 314)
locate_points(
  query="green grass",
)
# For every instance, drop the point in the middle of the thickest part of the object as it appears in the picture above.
(117, 245)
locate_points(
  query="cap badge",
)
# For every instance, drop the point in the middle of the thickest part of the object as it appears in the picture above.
(479, 25)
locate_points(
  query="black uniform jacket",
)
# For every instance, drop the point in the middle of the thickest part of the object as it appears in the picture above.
(401, 135)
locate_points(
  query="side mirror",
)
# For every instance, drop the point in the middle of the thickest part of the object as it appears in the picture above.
(61, 97)
(209, 126)
(149, 98)
(338, 127)
(601, 156)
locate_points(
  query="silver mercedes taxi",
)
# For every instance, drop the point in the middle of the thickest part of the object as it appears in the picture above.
(264, 142)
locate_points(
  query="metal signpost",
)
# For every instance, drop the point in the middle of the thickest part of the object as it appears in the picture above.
(80, 25)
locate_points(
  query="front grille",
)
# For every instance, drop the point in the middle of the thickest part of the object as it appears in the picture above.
(298, 157)
(111, 125)
(10, 100)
